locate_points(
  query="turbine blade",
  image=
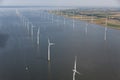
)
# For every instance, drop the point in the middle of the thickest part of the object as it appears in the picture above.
(75, 62)
(52, 44)
(73, 75)
(78, 72)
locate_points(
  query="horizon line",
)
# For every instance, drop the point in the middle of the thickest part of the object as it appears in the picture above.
(57, 6)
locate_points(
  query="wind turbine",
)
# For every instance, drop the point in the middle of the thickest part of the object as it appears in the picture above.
(57, 17)
(23, 19)
(73, 21)
(64, 20)
(38, 36)
(63, 16)
(86, 28)
(32, 30)
(52, 17)
(28, 26)
(48, 14)
(17, 12)
(49, 45)
(74, 69)
(43, 14)
(105, 35)
(26, 23)
(92, 19)
(81, 16)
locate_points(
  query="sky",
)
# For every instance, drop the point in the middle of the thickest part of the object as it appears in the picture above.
(99, 3)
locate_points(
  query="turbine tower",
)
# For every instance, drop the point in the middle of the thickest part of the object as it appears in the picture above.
(105, 35)
(86, 28)
(28, 26)
(49, 45)
(64, 20)
(73, 21)
(92, 18)
(52, 17)
(32, 31)
(57, 17)
(38, 36)
(74, 69)
(65, 14)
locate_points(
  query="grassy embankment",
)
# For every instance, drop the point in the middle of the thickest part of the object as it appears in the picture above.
(96, 18)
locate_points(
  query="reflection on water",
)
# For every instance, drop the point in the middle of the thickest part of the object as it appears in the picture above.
(49, 71)
(3, 40)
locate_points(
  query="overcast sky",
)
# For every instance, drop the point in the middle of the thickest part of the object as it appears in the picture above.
(111, 3)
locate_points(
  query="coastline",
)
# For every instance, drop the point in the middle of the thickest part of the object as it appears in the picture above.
(114, 24)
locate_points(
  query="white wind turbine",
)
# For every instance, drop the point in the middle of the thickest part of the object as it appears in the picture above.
(17, 12)
(81, 16)
(65, 18)
(49, 45)
(52, 17)
(43, 14)
(57, 17)
(38, 36)
(92, 19)
(64, 21)
(74, 69)
(32, 30)
(86, 28)
(73, 21)
(105, 35)
(28, 27)
(48, 14)
(23, 19)
(26, 23)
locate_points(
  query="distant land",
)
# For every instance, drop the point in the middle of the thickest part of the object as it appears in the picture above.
(109, 17)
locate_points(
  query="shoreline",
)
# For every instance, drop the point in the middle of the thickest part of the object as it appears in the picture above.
(94, 20)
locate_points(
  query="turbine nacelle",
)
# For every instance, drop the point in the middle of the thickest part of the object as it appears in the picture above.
(51, 44)
(76, 71)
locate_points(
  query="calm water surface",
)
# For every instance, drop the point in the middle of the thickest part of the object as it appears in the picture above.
(97, 59)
